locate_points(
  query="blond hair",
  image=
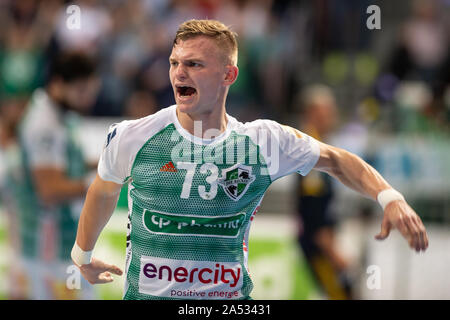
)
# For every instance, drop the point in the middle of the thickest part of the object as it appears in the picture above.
(224, 37)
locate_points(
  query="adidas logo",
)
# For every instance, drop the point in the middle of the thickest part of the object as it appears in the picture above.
(169, 167)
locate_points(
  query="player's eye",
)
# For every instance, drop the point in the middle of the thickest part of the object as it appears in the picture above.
(194, 64)
(173, 63)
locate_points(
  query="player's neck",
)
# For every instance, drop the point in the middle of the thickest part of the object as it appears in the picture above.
(205, 125)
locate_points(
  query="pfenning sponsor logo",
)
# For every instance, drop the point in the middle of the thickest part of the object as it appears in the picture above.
(226, 226)
(185, 278)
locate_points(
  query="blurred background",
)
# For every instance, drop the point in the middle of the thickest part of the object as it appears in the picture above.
(383, 94)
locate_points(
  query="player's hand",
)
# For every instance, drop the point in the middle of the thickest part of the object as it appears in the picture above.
(99, 272)
(399, 215)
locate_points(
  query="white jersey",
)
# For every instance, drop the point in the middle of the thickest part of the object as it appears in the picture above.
(191, 200)
(48, 139)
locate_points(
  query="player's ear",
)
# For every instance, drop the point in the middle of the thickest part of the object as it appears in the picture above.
(231, 74)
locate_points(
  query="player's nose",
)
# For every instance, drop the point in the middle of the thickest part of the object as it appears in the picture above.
(181, 73)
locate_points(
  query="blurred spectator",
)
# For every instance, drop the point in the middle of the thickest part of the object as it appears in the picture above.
(95, 24)
(121, 56)
(11, 173)
(153, 71)
(339, 25)
(21, 50)
(425, 42)
(140, 104)
(284, 40)
(54, 183)
(422, 55)
(315, 193)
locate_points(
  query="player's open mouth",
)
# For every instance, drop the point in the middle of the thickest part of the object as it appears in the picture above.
(186, 91)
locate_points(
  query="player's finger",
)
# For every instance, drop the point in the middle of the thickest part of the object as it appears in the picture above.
(422, 245)
(115, 270)
(422, 233)
(426, 239)
(385, 230)
(404, 231)
(103, 266)
(415, 233)
(105, 277)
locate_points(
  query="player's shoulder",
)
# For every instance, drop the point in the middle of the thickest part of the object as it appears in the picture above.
(261, 130)
(41, 115)
(40, 110)
(258, 125)
(151, 123)
(134, 133)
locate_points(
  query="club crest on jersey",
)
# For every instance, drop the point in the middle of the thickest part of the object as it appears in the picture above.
(236, 180)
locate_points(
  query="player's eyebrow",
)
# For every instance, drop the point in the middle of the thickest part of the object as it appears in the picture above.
(187, 58)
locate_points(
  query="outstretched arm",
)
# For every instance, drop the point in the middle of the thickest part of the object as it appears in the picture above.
(356, 174)
(101, 200)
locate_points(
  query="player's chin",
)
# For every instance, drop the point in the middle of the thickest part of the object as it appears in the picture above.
(186, 106)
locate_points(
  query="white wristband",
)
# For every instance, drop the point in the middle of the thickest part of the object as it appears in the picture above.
(79, 256)
(387, 196)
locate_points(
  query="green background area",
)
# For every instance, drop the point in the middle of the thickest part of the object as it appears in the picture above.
(3, 265)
